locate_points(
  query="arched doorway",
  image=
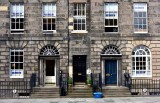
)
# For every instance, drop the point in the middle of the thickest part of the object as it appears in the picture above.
(49, 64)
(111, 65)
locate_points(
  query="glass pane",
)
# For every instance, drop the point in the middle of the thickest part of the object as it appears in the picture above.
(111, 21)
(45, 21)
(144, 14)
(12, 53)
(17, 26)
(12, 65)
(140, 14)
(136, 26)
(136, 20)
(16, 66)
(53, 27)
(79, 26)
(115, 22)
(106, 22)
(53, 21)
(21, 53)
(79, 21)
(135, 14)
(16, 58)
(44, 26)
(83, 26)
(12, 20)
(49, 27)
(21, 26)
(21, 59)
(83, 21)
(16, 53)
(75, 26)
(13, 26)
(75, 21)
(144, 21)
(21, 66)
(49, 21)
(144, 27)
(12, 58)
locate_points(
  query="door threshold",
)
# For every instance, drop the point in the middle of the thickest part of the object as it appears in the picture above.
(49, 84)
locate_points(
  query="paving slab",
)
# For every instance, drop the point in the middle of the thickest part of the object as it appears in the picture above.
(86, 100)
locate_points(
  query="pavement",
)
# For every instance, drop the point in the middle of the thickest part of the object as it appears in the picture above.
(86, 100)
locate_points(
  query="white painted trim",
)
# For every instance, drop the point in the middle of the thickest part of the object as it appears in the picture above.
(103, 71)
(79, 31)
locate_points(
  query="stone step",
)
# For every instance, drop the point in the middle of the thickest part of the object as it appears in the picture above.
(45, 92)
(75, 92)
(116, 92)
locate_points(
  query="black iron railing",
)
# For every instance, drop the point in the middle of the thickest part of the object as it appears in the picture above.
(145, 87)
(17, 89)
(63, 84)
(96, 82)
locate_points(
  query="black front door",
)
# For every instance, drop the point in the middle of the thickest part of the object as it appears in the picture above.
(79, 68)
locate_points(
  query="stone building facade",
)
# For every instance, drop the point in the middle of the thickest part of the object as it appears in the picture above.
(91, 49)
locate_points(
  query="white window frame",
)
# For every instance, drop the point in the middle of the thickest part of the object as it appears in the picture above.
(140, 7)
(16, 12)
(13, 72)
(115, 10)
(53, 11)
(148, 62)
(81, 16)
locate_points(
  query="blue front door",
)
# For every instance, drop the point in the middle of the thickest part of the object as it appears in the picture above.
(110, 72)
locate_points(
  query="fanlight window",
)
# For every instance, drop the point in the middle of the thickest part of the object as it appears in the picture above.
(111, 50)
(49, 51)
(141, 61)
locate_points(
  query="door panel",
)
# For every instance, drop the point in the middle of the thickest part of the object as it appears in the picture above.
(111, 71)
(50, 71)
(79, 68)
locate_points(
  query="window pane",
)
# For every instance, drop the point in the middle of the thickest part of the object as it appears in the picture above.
(44, 21)
(13, 26)
(12, 58)
(115, 22)
(49, 21)
(21, 26)
(83, 26)
(12, 53)
(16, 66)
(21, 59)
(21, 66)
(106, 22)
(53, 27)
(12, 65)
(53, 21)
(49, 27)
(75, 26)
(44, 27)
(17, 26)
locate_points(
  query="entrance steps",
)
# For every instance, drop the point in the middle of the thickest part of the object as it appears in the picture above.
(80, 90)
(45, 92)
(116, 91)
